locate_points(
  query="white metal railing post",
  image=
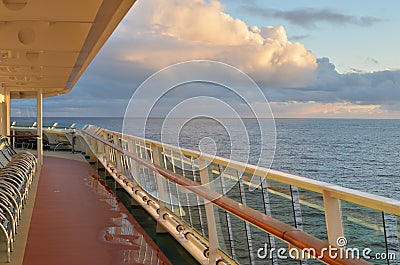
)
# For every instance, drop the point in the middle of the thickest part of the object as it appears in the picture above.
(87, 148)
(118, 157)
(7, 101)
(333, 218)
(2, 111)
(211, 223)
(96, 147)
(5, 111)
(162, 198)
(103, 148)
(39, 122)
(100, 148)
(134, 164)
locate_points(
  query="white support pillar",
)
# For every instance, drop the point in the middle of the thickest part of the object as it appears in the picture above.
(2, 113)
(333, 218)
(6, 112)
(39, 121)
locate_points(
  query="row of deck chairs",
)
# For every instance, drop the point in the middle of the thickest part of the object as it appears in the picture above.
(16, 173)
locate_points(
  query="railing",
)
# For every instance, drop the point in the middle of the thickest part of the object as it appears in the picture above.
(248, 227)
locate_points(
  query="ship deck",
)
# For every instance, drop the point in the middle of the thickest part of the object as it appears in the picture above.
(73, 218)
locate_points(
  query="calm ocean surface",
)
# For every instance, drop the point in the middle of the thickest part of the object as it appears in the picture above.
(358, 154)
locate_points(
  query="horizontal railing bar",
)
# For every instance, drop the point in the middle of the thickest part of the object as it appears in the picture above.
(365, 199)
(291, 235)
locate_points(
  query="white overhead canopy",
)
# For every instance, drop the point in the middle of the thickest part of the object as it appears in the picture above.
(48, 44)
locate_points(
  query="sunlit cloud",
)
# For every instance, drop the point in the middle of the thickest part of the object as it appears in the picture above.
(181, 30)
(326, 110)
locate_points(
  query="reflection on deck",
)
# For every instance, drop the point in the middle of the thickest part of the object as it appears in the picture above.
(78, 220)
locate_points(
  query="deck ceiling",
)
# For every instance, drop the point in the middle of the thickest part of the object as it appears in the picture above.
(48, 44)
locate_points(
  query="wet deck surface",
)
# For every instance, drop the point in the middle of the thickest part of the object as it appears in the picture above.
(77, 220)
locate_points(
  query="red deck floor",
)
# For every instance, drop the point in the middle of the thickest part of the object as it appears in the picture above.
(76, 220)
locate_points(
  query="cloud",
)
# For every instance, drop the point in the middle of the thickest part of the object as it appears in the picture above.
(372, 61)
(310, 17)
(378, 92)
(299, 37)
(179, 30)
(314, 109)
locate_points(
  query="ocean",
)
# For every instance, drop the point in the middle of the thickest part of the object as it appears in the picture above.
(361, 154)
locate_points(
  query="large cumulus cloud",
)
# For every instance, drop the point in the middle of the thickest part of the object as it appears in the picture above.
(162, 33)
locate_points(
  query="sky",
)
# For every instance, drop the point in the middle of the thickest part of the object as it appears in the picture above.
(321, 59)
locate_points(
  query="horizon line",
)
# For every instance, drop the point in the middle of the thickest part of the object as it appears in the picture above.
(119, 117)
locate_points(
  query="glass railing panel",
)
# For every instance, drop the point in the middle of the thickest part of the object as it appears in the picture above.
(186, 214)
(186, 166)
(213, 173)
(274, 251)
(262, 245)
(280, 202)
(254, 195)
(224, 232)
(146, 152)
(163, 196)
(398, 239)
(233, 233)
(180, 201)
(392, 238)
(312, 213)
(240, 243)
(137, 149)
(171, 198)
(168, 160)
(196, 171)
(229, 179)
(177, 198)
(253, 191)
(144, 178)
(127, 166)
(192, 211)
(363, 228)
(151, 183)
(177, 163)
(285, 255)
(201, 210)
(149, 153)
